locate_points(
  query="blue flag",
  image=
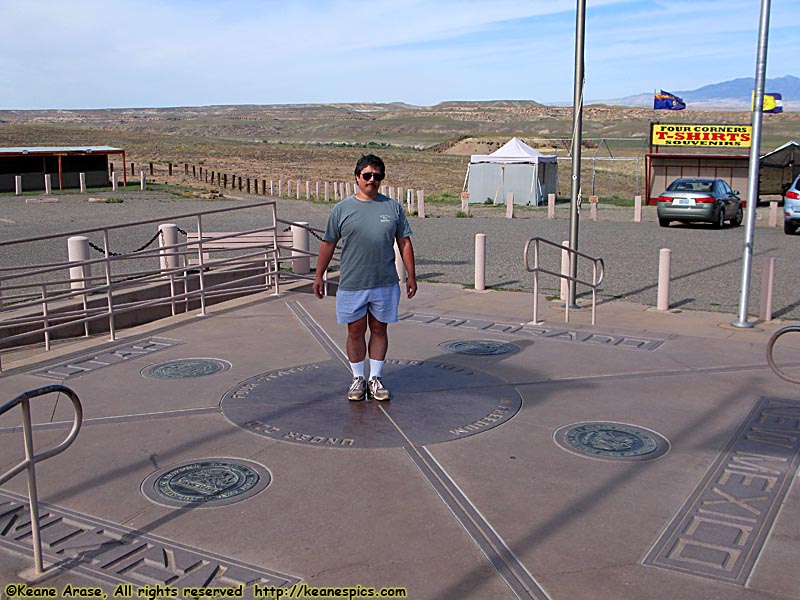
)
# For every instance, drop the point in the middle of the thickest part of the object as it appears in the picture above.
(665, 101)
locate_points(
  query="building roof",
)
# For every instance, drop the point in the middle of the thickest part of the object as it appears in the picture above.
(60, 149)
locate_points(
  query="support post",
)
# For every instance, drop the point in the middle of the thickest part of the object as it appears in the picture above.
(767, 283)
(664, 259)
(300, 242)
(480, 262)
(78, 251)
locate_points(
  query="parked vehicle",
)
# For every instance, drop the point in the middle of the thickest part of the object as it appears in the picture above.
(791, 208)
(699, 199)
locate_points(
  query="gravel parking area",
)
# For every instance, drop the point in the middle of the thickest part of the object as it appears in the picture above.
(706, 263)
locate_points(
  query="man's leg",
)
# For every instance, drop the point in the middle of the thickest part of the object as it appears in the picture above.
(356, 340)
(356, 353)
(378, 345)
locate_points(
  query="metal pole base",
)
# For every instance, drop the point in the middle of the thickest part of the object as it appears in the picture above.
(742, 324)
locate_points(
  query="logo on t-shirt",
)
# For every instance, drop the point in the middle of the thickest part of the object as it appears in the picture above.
(386, 219)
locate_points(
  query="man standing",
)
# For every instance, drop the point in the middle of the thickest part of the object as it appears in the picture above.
(368, 224)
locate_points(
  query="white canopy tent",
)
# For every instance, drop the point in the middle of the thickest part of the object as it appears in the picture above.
(515, 167)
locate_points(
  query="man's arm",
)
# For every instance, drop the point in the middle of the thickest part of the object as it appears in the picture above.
(323, 260)
(407, 254)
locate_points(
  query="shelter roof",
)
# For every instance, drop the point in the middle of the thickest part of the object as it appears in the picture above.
(782, 157)
(514, 151)
(59, 149)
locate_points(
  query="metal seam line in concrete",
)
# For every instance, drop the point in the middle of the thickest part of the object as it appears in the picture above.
(509, 567)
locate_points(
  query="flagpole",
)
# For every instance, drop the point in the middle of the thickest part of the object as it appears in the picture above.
(752, 175)
(577, 135)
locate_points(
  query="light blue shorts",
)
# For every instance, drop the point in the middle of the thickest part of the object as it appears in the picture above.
(381, 302)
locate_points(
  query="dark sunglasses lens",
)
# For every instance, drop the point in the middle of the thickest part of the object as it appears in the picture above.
(369, 175)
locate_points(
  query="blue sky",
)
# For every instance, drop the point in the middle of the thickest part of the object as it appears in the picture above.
(149, 53)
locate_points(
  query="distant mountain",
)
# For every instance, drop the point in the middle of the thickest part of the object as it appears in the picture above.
(727, 95)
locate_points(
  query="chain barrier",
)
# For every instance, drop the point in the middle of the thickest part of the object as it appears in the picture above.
(148, 244)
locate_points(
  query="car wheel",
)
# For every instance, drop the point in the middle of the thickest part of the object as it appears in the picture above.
(720, 223)
(789, 228)
(737, 220)
(663, 222)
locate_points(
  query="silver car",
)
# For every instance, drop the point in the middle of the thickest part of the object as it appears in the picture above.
(791, 208)
(699, 199)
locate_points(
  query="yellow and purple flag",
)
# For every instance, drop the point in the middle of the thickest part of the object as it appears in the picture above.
(665, 101)
(773, 103)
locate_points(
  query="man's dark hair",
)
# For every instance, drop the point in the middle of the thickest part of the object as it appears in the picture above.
(369, 160)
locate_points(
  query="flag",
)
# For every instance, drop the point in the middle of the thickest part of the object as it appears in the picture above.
(773, 103)
(665, 101)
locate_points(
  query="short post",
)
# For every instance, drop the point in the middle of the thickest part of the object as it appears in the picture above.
(185, 168)
(480, 262)
(248, 185)
(664, 258)
(280, 188)
(113, 181)
(767, 283)
(391, 192)
(399, 266)
(564, 293)
(240, 183)
(255, 186)
(300, 242)
(168, 236)
(316, 195)
(78, 251)
(327, 192)
(773, 214)
(169, 165)
(637, 209)
(151, 169)
(421, 204)
(82, 182)
(410, 200)
(509, 205)
(271, 187)
(133, 169)
(142, 180)
(224, 180)
(308, 190)
(593, 204)
(48, 186)
(551, 206)
(465, 202)
(18, 184)
(400, 196)
(297, 189)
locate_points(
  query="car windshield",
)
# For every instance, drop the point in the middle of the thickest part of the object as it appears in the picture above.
(690, 185)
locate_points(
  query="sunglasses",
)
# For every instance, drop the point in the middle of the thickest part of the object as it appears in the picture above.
(369, 175)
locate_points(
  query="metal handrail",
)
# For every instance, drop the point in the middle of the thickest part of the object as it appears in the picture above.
(22, 288)
(31, 459)
(597, 265)
(770, 349)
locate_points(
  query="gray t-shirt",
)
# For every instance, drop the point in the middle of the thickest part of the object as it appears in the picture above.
(367, 229)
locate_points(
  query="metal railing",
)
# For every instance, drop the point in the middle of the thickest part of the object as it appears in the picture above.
(770, 353)
(31, 459)
(38, 300)
(598, 266)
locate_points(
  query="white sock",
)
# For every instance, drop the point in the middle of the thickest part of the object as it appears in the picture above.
(357, 368)
(375, 367)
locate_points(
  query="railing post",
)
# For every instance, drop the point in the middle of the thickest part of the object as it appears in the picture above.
(300, 240)
(767, 283)
(664, 257)
(480, 262)
(78, 251)
(168, 236)
(201, 278)
(109, 293)
(33, 494)
(564, 292)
